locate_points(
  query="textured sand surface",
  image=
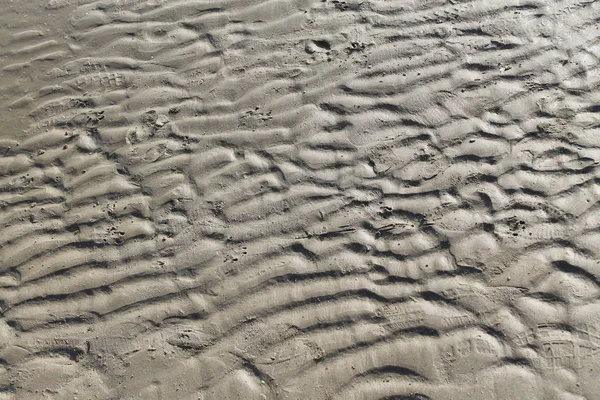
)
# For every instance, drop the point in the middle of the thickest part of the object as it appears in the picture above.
(300, 199)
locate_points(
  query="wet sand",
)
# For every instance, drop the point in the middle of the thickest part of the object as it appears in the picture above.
(299, 199)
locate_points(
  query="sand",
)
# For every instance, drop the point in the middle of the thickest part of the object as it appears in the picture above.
(300, 199)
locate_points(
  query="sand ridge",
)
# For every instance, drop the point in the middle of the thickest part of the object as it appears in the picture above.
(299, 199)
